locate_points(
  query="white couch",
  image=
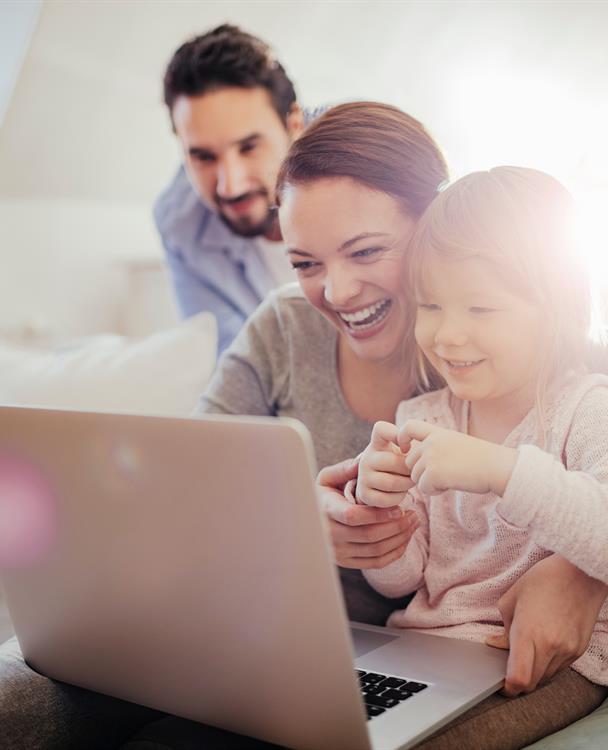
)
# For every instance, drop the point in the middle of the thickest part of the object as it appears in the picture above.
(162, 373)
(90, 323)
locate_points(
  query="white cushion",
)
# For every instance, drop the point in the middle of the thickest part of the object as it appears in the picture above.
(163, 373)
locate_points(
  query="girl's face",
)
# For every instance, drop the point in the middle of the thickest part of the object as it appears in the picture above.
(482, 339)
(347, 244)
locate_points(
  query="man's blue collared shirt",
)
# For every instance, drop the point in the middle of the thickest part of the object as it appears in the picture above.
(213, 268)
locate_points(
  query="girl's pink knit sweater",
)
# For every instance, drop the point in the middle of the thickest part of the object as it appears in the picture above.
(470, 549)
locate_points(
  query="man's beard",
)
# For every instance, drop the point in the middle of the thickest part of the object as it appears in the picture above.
(244, 226)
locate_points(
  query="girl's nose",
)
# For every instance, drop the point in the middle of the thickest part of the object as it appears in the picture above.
(450, 332)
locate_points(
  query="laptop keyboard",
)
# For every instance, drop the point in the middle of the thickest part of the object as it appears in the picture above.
(381, 692)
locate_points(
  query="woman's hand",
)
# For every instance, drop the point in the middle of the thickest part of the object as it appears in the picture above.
(383, 479)
(549, 615)
(440, 459)
(363, 537)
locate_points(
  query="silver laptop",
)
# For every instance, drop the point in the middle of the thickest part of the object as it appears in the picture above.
(185, 565)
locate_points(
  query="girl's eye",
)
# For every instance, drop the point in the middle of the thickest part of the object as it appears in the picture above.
(366, 252)
(428, 306)
(481, 310)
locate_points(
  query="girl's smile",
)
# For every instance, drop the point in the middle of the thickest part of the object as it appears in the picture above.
(481, 337)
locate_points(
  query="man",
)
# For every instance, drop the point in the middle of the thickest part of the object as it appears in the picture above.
(234, 112)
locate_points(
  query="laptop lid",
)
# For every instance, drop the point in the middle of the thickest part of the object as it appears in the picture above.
(182, 564)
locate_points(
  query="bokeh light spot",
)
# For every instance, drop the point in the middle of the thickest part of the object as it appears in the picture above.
(28, 515)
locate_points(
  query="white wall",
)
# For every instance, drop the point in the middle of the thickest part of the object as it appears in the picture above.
(495, 81)
(17, 20)
(85, 145)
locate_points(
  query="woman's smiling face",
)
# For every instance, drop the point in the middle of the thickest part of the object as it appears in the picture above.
(347, 243)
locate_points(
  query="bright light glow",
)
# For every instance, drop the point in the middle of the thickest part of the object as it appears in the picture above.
(592, 209)
(593, 243)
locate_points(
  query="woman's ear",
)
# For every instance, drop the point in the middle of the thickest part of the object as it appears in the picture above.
(295, 121)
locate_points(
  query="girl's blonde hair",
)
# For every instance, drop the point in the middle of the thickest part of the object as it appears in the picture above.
(522, 222)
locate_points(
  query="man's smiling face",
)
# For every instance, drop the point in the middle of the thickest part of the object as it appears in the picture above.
(233, 142)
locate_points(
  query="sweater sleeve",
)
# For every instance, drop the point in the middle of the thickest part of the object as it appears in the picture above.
(252, 372)
(405, 575)
(566, 506)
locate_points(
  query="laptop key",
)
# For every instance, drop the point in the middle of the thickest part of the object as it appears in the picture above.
(372, 677)
(373, 689)
(374, 711)
(398, 695)
(414, 687)
(378, 700)
(366, 689)
(394, 682)
(380, 691)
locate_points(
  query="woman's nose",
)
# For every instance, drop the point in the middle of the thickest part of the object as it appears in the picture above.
(341, 288)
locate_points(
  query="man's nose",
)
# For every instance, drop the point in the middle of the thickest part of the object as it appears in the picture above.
(231, 177)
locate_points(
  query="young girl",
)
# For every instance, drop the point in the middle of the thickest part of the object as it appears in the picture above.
(509, 462)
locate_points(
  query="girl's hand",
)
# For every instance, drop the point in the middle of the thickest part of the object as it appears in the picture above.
(440, 459)
(383, 478)
(362, 537)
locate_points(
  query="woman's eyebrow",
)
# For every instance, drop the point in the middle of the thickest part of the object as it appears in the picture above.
(344, 246)
(359, 237)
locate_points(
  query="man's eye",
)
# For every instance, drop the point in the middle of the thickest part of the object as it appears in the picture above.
(247, 148)
(204, 158)
(478, 310)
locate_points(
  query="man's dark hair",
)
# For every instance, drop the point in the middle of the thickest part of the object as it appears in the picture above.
(227, 57)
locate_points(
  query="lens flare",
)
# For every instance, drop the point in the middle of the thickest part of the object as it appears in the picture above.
(593, 249)
(28, 517)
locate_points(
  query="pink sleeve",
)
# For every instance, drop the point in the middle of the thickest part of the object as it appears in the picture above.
(567, 508)
(405, 574)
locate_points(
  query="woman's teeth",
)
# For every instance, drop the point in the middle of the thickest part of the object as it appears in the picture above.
(368, 316)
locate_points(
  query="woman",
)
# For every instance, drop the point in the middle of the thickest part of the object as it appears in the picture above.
(351, 191)
(336, 354)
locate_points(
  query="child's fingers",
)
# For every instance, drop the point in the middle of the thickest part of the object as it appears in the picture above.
(418, 472)
(383, 434)
(413, 455)
(387, 482)
(377, 498)
(386, 461)
(413, 429)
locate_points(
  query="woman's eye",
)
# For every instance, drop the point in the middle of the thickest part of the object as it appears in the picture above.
(302, 265)
(366, 252)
